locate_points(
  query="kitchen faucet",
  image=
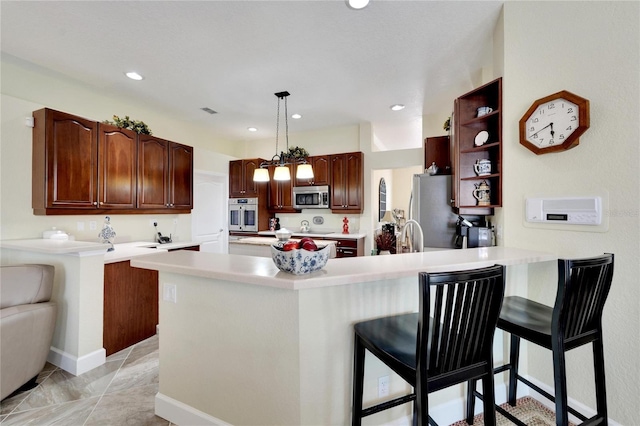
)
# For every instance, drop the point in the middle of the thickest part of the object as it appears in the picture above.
(405, 230)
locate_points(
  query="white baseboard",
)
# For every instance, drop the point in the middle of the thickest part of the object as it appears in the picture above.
(182, 414)
(75, 365)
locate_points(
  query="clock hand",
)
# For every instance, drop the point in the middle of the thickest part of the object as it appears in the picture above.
(552, 132)
(550, 124)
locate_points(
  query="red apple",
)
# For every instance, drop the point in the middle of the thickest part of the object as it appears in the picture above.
(304, 239)
(309, 245)
(290, 245)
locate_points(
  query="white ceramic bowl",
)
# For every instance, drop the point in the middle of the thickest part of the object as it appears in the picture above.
(300, 261)
(283, 234)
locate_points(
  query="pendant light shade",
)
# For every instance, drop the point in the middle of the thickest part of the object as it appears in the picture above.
(282, 173)
(281, 161)
(304, 171)
(261, 175)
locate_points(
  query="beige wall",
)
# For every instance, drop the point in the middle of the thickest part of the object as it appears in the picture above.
(591, 49)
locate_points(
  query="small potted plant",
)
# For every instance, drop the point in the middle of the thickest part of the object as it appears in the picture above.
(386, 243)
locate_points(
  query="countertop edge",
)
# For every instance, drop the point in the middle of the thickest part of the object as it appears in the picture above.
(262, 271)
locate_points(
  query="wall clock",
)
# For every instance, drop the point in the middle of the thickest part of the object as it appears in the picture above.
(554, 123)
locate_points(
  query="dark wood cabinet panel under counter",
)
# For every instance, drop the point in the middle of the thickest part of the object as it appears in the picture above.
(130, 305)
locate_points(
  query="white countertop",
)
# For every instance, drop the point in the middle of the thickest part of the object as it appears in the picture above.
(127, 251)
(122, 252)
(262, 271)
(54, 246)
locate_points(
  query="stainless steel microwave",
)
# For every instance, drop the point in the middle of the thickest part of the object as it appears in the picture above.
(311, 197)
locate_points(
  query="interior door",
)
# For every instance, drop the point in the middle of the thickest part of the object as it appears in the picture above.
(209, 214)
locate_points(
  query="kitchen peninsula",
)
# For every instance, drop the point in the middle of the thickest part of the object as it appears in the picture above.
(247, 344)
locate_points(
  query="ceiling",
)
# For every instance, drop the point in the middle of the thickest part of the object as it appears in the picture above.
(341, 66)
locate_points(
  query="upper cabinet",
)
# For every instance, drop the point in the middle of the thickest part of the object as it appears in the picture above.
(241, 182)
(477, 150)
(117, 162)
(281, 193)
(347, 181)
(65, 155)
(84, 167)
(320, 165)
(165, 174)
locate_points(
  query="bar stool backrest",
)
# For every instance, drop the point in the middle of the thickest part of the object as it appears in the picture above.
(470, 305)
(583, 287)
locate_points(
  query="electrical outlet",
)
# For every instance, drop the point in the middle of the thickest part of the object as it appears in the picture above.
(383, 386)
(175, 221)
(80, 226)
(93, 225)
(169, 293)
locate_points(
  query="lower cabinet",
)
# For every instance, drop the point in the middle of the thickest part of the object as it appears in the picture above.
(130, 305)
(349, 247)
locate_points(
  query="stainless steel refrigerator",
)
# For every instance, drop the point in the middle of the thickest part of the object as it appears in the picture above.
(429, 206)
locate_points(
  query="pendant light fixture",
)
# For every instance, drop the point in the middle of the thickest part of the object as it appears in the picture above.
(283, 160)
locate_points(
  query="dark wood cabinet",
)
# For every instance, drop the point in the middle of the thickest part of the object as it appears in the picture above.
(85, 167)
(153, 173)
(165, 175)
(467, 151)
(320, 165)
(180, 176)
(347, 180)
(130, 305)
(349, 247)
(64, 159)
(437, 150)
(281, 193)
(117, 160)
(241, 182)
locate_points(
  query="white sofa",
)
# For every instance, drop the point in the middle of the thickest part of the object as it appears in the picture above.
(27, 321)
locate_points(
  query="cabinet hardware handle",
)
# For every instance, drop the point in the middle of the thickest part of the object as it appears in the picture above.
(95, 203)
(101, 203)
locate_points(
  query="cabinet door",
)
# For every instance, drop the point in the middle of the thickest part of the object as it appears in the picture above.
(65, 152)
(130, 305)
(281, 193)
(153, 162)
(338, 182)
(250, 188)
(320, 165)
(346, 182)
(236, 178)
(180, 176)
(117, 151)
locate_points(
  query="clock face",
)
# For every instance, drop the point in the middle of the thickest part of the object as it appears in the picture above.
(552, 123)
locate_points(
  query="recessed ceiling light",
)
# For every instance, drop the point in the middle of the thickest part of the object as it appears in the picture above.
(397, 107)
(134, 75)
(296, 116)
(252, 129)
(357, 4)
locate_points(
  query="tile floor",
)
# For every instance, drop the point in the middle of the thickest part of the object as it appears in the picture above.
(120, 392)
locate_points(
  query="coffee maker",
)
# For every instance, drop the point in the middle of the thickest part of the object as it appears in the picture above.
(473, 231)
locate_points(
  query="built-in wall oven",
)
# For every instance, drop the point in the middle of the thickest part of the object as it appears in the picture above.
(243, 214)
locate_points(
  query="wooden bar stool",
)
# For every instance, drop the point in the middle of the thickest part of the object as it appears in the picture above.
(432, 355)
(574, 320)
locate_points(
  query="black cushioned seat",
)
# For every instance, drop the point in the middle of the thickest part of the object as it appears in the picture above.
(432, 355)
